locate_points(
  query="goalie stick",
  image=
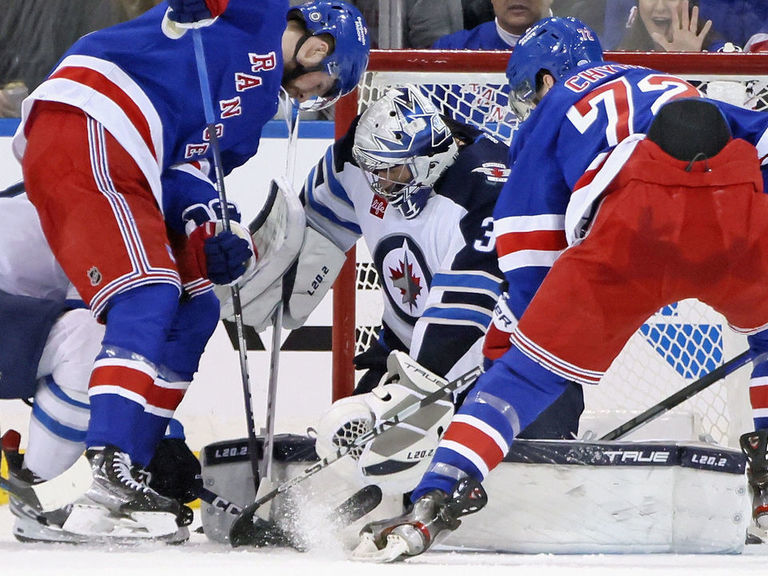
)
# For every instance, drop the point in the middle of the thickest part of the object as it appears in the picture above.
(267, 533)
(685, 393)
(245, 520)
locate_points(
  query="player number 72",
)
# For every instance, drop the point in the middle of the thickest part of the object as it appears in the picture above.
(618, 104)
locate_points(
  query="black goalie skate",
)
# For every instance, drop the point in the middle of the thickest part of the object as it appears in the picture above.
(431, 516)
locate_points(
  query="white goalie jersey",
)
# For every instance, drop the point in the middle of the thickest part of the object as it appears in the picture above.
(438, 271)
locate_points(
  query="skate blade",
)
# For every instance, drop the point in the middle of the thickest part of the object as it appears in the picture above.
(97, 522)
(756, 534)
(367, 550)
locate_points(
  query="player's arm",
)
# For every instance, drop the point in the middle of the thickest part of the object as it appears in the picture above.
(299, 274)
(447, 338)
(191, 206)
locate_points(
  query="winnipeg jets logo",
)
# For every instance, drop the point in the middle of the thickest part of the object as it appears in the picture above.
(404, 280)
(404, 275)
(493, 171)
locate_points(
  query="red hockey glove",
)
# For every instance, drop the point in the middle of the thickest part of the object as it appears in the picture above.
(221, 256)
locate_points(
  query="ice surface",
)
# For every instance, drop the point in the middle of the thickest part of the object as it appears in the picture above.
(200, 557)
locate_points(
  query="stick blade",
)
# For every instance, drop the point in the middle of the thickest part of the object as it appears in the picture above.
(251, 530)
(362, 502)
(243, 529)
(66, 487)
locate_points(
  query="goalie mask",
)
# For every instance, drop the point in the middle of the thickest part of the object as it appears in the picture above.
(555, 45)
(403, 147)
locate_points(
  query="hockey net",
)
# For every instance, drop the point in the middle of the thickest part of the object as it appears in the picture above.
(676, 346)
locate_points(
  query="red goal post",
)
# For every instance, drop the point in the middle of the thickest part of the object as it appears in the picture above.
(732, 76)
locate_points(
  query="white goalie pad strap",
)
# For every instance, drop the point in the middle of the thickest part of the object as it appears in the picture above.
(278, 234)
(319, 263)
(397, 459)
(411, 374)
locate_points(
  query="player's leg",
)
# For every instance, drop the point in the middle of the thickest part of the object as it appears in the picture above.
(104, 227)
(58, 424)
(192, 327)
(61, 409)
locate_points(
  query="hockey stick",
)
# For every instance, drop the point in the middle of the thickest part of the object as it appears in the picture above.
(685, 393)
(205, 93)
(263, 533)
(244, 522)
(265, 478)
(51, 494)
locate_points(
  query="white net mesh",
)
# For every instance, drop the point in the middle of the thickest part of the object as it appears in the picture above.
(677, 345)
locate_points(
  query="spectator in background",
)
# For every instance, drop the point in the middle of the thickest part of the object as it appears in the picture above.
(742, 22)
(35, 33)
(513, 17)
(668, 25)
(476, 12)
(428, 20)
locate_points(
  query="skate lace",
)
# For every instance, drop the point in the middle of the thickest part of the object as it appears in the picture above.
(121, 466)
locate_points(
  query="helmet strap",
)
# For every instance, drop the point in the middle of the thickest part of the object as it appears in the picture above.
(300, 69)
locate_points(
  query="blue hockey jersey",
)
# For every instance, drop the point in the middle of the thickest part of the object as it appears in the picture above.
(144, 88)
(567, 152)
(438, 271)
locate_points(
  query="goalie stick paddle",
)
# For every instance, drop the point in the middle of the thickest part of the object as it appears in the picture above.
(685, 393)
(243, 524)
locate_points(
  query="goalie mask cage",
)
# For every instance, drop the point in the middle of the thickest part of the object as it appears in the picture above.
(676, 346)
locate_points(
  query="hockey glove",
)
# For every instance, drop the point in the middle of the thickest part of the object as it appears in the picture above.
(396, 459)
(195, 12)
(221, 256)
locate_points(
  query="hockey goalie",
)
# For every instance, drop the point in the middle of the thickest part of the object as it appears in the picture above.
(420, 190)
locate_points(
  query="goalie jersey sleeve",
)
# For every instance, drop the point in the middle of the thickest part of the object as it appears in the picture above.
(438, 272)
(586, 127)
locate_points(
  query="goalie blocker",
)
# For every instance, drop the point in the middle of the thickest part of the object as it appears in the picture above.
(547, 496)
(296, 264)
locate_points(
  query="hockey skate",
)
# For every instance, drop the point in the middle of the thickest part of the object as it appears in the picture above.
(120, 505)
(431, 516)
(755, 446)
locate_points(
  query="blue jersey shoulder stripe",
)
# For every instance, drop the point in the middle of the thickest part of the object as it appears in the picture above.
(330, 177)
(457, 313)
(323, 210)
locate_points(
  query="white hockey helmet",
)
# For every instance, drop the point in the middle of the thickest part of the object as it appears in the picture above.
(403, 129)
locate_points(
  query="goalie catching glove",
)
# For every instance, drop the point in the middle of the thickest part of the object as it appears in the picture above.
(397, 459)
